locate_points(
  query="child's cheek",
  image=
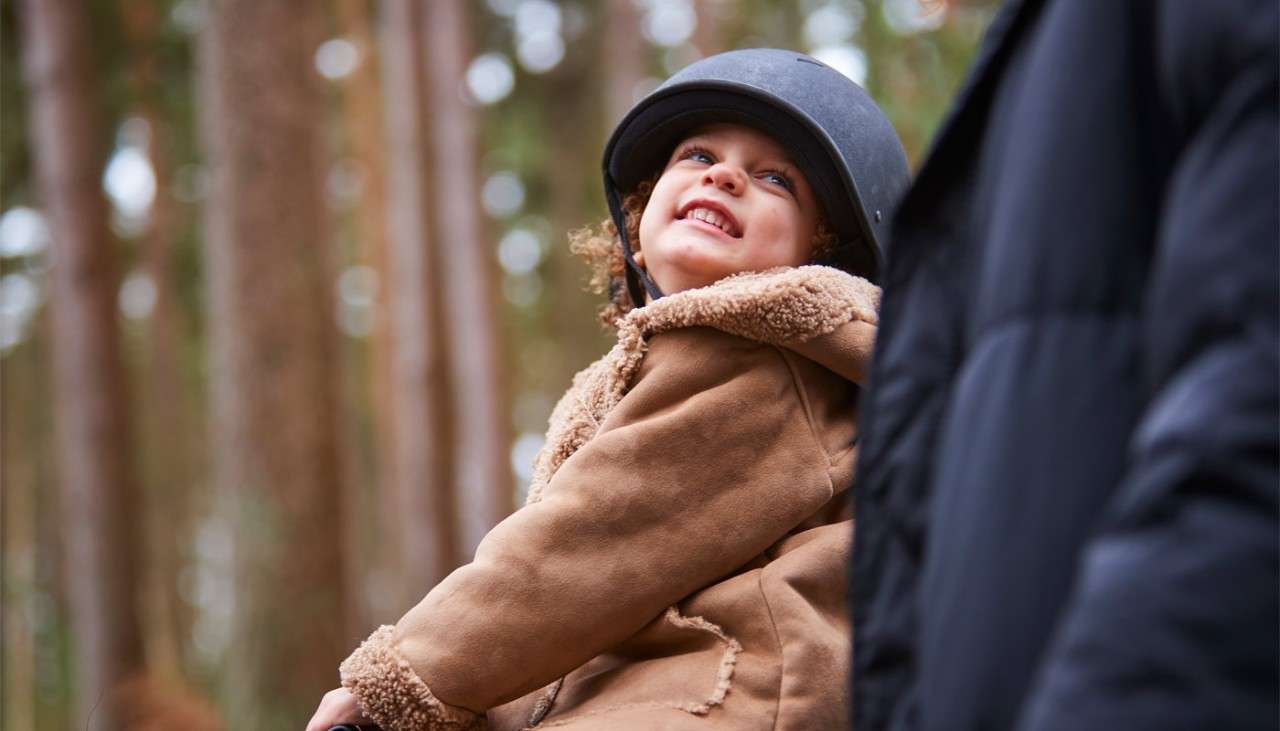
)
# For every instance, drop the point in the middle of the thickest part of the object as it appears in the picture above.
(772, 225)
(780, 242)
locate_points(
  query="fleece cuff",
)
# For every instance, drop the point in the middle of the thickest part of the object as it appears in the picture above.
(393, 695)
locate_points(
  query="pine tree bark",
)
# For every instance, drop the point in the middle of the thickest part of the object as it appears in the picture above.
(99, 491)
(274, 384)
(422, 443)
(485, 487)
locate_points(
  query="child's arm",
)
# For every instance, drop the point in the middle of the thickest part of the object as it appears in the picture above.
(708, 460)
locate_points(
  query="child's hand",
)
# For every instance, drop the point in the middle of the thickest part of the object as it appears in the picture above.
(337, 707)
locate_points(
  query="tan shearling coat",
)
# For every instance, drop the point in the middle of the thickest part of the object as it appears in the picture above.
(680, 561)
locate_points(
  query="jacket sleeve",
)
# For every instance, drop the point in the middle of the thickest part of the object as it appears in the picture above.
(706, 462)
(1173, 620)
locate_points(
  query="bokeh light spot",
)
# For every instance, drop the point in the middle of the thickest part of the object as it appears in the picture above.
(523, 452)
(23, 232)
(502, 194)
(847, 59)
(832, 24)
(358, 285)
(540, 52)
(908, 17)
(337, 58)
(670, 22)
(130, 182)
(537, 16)
(519, 251)
(490, 78)
(137, 296)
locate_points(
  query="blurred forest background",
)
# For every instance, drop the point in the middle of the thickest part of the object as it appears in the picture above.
(286, 301)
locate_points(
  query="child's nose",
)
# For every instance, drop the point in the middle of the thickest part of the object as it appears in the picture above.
(728, 178)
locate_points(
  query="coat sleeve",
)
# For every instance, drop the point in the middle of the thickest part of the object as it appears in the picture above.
(1173, 620)
(707, 461)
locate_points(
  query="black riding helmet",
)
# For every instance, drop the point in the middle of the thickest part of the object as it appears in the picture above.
(834, 131)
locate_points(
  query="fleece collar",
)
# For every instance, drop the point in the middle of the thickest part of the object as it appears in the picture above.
(776, 306)
(806, 309)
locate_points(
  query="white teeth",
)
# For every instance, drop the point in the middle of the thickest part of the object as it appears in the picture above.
(712, 217)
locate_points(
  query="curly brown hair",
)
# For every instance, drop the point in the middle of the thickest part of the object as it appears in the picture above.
(601, 249)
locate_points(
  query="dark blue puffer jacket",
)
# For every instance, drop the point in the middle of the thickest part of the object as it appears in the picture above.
(1067, 494)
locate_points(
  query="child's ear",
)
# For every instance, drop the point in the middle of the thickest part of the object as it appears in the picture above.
(639, 257)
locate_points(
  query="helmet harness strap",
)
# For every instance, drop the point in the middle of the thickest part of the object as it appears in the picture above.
(638, 280)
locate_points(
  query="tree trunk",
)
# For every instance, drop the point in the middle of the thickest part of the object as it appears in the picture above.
(274, 385)
(165, 428)
(99, 493)
(19, 486)
(627, 59)
(365, 128)
(484, 480)
(422, 441)
(709, 34)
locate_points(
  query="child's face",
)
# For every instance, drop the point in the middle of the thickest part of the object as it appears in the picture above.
(728, 201)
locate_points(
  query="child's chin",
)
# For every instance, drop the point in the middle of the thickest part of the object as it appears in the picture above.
(701, 256)
(704, 278)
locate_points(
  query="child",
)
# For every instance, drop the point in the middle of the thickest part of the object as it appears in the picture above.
(680, 561)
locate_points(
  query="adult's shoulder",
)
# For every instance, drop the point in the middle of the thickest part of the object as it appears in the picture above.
(1207, 51)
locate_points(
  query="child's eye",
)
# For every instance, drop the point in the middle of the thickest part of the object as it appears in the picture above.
(779, 179)
(697, 154)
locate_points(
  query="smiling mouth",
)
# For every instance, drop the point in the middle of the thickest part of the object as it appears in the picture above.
(712, 214)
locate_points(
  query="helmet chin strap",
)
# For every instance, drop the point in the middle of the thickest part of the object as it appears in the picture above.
(638, 280)
(636, 276)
